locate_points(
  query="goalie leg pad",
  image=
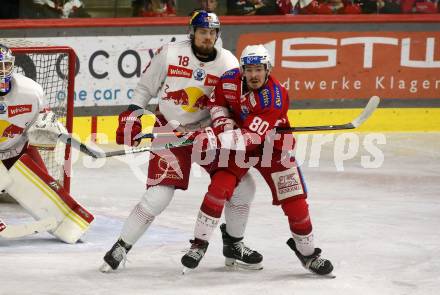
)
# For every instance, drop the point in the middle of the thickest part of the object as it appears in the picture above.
(5, 178)
(42, 197)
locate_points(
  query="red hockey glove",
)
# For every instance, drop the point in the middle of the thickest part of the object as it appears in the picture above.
(129, 126)
(205, 139)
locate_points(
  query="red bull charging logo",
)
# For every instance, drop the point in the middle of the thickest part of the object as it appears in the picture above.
(191, 99)
(8, 130)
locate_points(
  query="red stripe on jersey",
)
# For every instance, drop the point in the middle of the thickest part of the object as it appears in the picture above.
(175, 71)
(19, 109)
(211, 80)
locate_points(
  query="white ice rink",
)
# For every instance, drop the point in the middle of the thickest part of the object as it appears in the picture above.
(379, 226)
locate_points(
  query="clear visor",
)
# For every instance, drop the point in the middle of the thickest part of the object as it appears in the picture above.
(6, 68)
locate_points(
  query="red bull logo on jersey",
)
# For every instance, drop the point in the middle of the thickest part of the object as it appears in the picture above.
(191, 99)
(8, 130)
(211, 80)
(19, 110)
(175, 71)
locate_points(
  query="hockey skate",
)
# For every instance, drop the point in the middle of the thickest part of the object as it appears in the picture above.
(237, 254)
(195, 254)
(314, 263)
(114, 257)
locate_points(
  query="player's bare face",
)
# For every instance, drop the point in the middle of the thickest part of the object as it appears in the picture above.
(204, 40)
(255, 76)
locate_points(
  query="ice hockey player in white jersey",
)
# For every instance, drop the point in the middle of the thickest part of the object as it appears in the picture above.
(23, 174)
(182, 75)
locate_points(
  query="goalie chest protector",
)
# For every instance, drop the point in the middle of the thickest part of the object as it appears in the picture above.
(18, 110)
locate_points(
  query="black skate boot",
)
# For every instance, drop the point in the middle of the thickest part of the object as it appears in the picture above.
(116, 255)
(314, 262)
(195, 254)
(237, 254)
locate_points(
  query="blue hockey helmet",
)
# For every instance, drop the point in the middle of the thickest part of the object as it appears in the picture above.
(6, 68)
(203, 19)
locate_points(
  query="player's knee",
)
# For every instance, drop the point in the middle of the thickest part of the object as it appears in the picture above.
(222, 185)
(156, 199)
(245, 191)
(297, 212)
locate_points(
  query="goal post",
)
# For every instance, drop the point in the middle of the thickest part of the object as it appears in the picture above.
(53, 67)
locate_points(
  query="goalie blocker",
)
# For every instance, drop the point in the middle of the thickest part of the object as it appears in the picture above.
(40, 195)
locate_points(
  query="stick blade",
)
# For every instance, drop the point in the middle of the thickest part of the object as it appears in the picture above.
(367, 112)
(22, 230)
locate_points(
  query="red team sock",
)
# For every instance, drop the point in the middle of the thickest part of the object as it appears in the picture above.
(297, 212)
(221, 188)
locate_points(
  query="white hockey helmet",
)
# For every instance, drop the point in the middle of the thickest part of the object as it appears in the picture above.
(255, 55)
(6, 68)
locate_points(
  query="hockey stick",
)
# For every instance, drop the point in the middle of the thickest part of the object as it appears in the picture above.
(76, 144)
(371, 106)
(22, 230)
(68, 139)
(366, 113)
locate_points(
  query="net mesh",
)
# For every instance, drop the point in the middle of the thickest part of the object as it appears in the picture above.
(51, 71)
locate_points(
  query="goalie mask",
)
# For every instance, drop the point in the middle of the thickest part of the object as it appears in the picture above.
(6, 68)
(203, 19)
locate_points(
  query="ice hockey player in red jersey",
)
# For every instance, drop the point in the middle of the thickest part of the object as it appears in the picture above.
(257, 103)
(182, 75)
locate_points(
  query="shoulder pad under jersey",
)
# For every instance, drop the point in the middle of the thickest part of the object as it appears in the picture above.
(231, 74)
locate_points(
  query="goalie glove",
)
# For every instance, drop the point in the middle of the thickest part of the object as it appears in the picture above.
(45, 131)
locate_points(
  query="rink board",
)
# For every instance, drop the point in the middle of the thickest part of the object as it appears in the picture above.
(383, 120)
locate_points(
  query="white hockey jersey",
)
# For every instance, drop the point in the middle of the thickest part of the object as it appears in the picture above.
(181, 81)
(18, 111)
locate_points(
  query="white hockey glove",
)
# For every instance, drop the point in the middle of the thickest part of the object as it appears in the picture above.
(44, 132)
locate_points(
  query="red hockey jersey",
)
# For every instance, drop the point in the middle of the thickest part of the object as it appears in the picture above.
(256, 111)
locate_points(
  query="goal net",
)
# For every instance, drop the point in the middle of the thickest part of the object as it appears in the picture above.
(54, 69)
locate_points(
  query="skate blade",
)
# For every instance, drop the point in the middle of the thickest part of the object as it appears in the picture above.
(105, 268)
(327, 276)
(233, 264)
(185, 270)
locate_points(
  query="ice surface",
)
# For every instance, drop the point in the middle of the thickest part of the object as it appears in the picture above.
(378, 226)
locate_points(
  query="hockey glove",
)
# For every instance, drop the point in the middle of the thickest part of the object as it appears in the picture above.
(204, 140)
(129, 126)
(45, 131)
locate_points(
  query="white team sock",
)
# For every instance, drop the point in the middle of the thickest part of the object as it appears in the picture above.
(236, 216)
(136, 224)
(304, 244)
(205, 225)
(237, 208)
